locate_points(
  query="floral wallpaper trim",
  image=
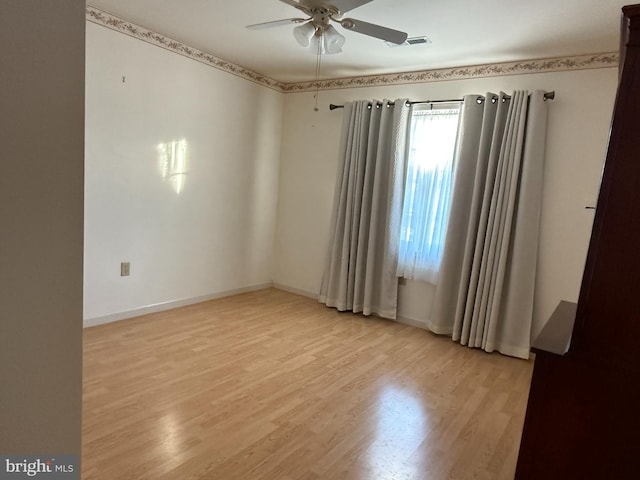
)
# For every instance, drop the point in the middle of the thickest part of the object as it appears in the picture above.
(581, 62)
(559, 64)
(107, 20)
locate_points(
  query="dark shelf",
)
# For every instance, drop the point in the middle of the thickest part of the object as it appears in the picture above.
(555, 337)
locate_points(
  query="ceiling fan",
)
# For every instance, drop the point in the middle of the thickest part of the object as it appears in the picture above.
(316, 32)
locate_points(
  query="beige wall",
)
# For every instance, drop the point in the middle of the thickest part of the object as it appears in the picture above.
(41, 204)
(578, 125)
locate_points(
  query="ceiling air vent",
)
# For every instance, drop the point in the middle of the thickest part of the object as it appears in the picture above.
(411, 41)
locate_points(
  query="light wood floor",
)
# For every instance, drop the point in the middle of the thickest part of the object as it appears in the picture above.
(270, 385)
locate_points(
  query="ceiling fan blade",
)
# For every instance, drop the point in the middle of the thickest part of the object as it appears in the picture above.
(346, 5)
(373, 30)
(275, 23)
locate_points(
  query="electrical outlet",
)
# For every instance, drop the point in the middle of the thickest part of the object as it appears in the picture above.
(124, 269)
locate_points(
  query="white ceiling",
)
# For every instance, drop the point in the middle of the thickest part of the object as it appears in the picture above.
(463, 32)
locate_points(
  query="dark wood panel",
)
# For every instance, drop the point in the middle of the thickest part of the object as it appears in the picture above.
(609, 304)
(581, 422)
(582, 418)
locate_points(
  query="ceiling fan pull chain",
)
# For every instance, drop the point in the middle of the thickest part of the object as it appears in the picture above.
(318, 64)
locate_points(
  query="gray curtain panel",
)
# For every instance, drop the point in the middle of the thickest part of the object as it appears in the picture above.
(484, 296)
(360, 270)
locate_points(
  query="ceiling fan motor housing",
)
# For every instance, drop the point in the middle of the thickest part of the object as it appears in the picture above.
(321, 16)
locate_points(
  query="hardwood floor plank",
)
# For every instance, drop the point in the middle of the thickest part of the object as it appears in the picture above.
(270, 385)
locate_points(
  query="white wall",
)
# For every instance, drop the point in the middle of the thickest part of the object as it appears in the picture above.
(216, 235)
(578, 126)
(41, 188)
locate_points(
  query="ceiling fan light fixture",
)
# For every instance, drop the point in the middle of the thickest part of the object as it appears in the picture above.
(333, 41)
(304, 33)
(317, 44)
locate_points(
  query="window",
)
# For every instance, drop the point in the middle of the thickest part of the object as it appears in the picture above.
(427, 196)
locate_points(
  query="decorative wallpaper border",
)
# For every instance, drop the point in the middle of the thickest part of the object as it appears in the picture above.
(559, 64)
(119, 25)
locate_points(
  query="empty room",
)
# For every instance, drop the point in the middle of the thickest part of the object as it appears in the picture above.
(318, 239)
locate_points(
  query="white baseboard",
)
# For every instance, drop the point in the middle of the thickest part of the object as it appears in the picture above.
(297, 291)
(160, 307)
(411, 321)
(400, 319)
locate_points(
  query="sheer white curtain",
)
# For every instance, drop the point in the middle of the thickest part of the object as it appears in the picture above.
(427, 191)
(484, 296)
(360, 270)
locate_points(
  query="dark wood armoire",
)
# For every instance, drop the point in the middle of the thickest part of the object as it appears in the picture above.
(583, 415)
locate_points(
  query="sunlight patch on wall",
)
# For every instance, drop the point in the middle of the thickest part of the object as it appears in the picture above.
(172, 162)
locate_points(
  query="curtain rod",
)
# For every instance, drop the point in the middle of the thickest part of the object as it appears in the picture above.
(547, 96)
